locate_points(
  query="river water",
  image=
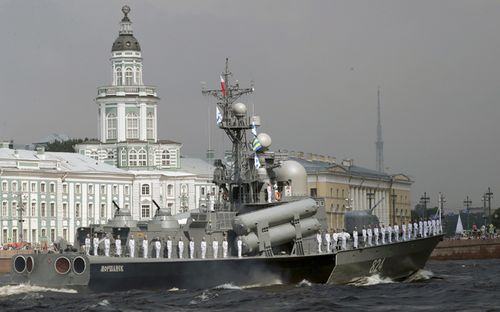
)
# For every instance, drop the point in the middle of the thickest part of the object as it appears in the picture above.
(472, 285)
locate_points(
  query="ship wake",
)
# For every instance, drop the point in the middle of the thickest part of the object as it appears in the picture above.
(371, 280)
(420, 275)
(11, 290)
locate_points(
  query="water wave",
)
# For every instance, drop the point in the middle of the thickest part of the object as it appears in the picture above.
(229, 286)
(304, 283)
(420, 275)
(11, 290)
(371, 280)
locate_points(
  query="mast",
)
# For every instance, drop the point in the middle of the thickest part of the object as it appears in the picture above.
(239, 179)
(379, 144)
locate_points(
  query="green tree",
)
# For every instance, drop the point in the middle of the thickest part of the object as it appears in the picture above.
(66, 146)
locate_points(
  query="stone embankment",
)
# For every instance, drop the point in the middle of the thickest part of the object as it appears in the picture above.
(464, 249)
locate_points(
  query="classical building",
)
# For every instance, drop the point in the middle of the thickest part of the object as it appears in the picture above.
(345, 187)
(128, 113)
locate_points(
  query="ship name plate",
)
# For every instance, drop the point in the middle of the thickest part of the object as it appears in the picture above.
(111, 268)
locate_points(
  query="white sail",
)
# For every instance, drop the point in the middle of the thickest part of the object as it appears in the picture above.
(460, 228)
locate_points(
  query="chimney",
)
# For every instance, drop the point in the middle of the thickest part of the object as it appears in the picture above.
(348, 162)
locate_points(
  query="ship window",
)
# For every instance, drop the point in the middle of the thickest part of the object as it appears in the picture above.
(145, 189)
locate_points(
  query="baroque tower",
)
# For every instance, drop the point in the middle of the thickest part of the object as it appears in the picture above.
(127, 113)
(379, 144)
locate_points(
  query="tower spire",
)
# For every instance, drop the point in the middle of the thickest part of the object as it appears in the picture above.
(379, 144)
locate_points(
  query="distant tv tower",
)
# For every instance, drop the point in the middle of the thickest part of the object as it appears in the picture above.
(379, 144)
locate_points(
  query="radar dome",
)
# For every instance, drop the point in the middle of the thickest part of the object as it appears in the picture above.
(264, 139)
(239, 109)
(290, 170)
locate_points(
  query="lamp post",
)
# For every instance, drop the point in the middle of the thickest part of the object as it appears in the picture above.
(20, 211)
(483, 199)
(467, 203)
(394, 197)
(424, 200)
(488, 195)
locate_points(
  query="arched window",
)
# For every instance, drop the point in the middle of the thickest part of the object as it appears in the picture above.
(111, 154)
(170, 190)
(111, 126)
(119, 77)
(145, 189)
(129, 77)
(93, 155)
(132, 158)
(142, 158)
(150, 126)
(123, 160)
(165, 158)
(132, 123)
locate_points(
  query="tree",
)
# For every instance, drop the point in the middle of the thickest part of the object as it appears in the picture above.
(65, 146)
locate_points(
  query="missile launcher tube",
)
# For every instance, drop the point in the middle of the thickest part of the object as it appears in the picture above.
(245, 223)
(281, 234)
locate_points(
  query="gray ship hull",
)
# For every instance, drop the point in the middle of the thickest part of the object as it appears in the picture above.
(395, 261)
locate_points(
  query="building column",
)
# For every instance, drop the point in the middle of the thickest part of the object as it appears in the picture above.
(120, 122)
(142, 122)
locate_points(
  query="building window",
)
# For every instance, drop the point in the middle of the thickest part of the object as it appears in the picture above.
(33, 186)
(132, 124)
(52, 187)
(103, 211)
(90, 212)
(115, 189)
(145, 189)
(65, 234)
(42, 187)
(129, 77)
(65, 210)
(202, 190)
(14, 235)
(119, 77)
(78, 189)
(111, 154)
(33, 236)
(90, 188)
(165, 158)
(65, 188)
(4, 209)
(14, 186)
(103, 189)
(77, 210)
(33, 209)
(132, 158)
(314, 192)
(5, 235)
(150, 126)
(44, 233)
(52, 235)
(5, 187)
(142, 158)
(43, 209)
(25, 186)
(14, 209)
(145, 211)
(126, 189)
(123, 160)
(111, 126)
(52, 210)
(170, 190)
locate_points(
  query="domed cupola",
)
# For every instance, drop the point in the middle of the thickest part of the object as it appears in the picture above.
(126, 40)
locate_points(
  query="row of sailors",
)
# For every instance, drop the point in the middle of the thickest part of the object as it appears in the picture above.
(422, 228)
(156, 247)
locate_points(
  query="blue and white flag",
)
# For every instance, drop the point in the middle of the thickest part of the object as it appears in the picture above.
(254, 130)
(256, 146)
(257, 162)
(218, 116)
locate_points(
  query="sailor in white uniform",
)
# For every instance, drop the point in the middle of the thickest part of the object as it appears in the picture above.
(224, 247)
(157, 248)
(369, 233)
(191, 249)
(410, 229)
(328, 242)
(376, 234)
(426, 228)
(181, 248)
(421, 227)
(118, 246)
(438, 224)
(429, 227)
(96, 244)
(363, 233)
(345, 237)
(319, 241)
(239, 244)
(203, 246)
(145, 247)
(382, 233)
(215, 248)
(434, 228)
(403, 229)
(335, 240)
(269, 193)
(131, 246)
(87, 245)
(107, 245)
(396, 232)
(169, 247)
(355, 237)
(389, 233)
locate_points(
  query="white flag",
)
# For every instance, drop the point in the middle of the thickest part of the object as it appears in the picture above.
(257, 162)
(218, 116)
(254, 131)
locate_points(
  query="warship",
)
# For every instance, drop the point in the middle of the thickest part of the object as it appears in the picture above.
(261, 217)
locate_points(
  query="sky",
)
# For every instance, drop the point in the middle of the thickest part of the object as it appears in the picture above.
(316, 68)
